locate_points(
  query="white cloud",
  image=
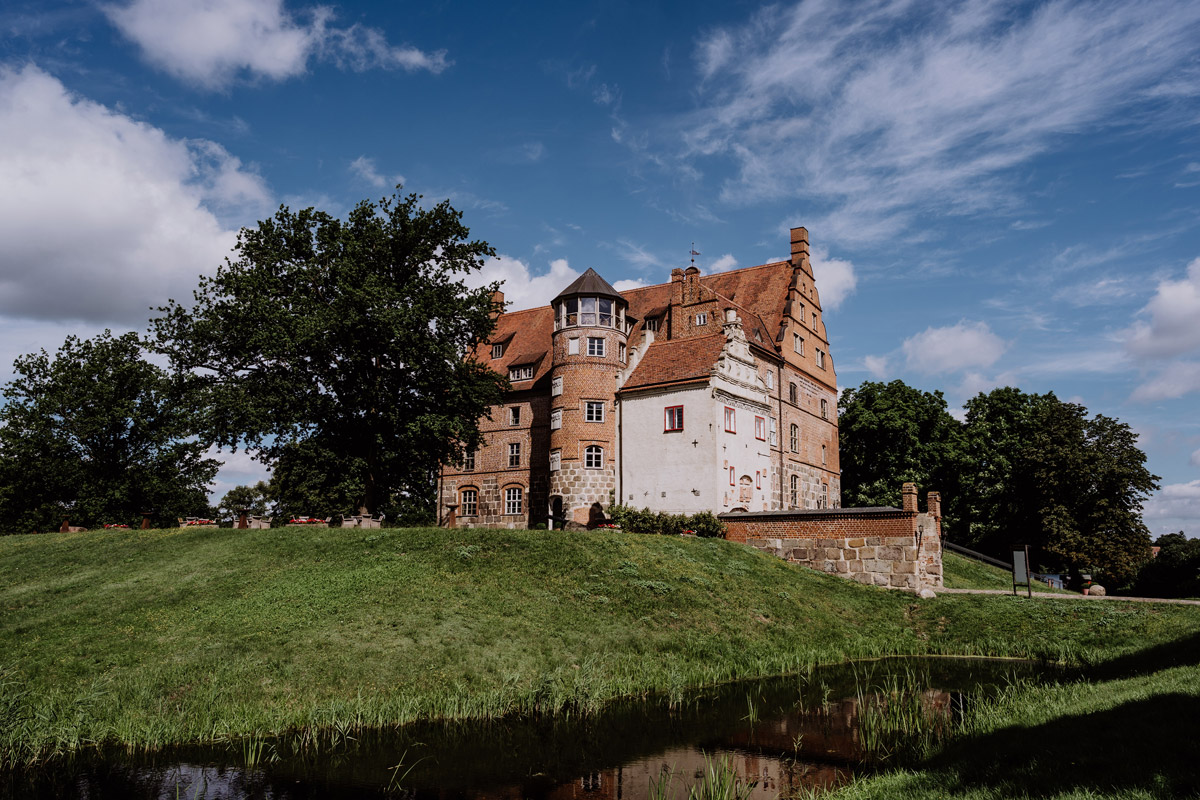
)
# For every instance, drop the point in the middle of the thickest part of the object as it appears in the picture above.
(835, 278)
(1176, 506)
(890, 109)
(1176, 380)
(103, 216)
(877, 366)
(1195, 459)
(1174, 325)
(725, 262)
(237, 469)
(212, 42)
(365, 168)
(952, 348)
(627, 284)
(974, 382)
(522, 289)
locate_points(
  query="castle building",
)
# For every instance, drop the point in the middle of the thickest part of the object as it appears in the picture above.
(708, 393)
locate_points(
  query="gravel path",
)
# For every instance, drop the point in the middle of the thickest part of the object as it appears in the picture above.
(1056, 596)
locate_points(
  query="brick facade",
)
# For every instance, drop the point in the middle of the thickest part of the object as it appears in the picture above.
(734, 333)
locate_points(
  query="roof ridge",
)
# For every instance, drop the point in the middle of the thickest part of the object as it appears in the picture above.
(710, 275)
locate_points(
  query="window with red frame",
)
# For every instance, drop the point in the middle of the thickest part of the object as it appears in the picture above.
(760, 428)
(673, 419)
(730, 420)
(731, 481)
(757, 479)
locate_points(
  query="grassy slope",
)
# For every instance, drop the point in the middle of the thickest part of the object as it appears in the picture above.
(960, 572)
(154, 637)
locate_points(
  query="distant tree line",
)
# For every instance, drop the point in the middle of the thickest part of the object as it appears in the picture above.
(334, 350)
(1019, 469)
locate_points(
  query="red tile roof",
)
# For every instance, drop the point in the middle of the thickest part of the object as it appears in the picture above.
(676, 361)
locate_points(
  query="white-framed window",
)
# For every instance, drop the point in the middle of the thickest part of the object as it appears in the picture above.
(794, 438)
(514, 415)
(770, 380)
(497, 351)
(514, 454)
(730, 420)
(593, 457)
(571, 310)
(652, 324)
(792, 393)
(555, 460)
(573, 346)
(800, 316)
(621, 351)
(732, 482)
(556, 419)
(795, 491)
(774, 431)
(824, 409)
(823, 462)
(821, 359)
(514, 500)
(757, 479)
(814, 321)
(595, 345)
(593, 411)
(556, 386)
(798, 343)
(824, 495)
(468, 460)
(606, 309)
(760, 428)
(587, 311)
(702, 318)
(520, 373)
(468, 503)
(672, 419)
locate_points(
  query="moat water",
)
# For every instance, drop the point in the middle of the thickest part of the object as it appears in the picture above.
(784, 733)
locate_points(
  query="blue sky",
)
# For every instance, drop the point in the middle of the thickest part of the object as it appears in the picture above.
(997, 193)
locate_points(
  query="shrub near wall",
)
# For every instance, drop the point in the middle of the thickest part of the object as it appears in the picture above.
(704, 524)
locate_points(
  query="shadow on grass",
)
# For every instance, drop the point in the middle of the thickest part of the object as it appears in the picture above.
(1178, 653)
(1148, 745)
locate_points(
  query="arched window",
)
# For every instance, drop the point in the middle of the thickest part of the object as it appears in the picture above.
(469, 503)
(792, 393)
(794, 439)
(514, 500)
(593, 457)
(795, 491)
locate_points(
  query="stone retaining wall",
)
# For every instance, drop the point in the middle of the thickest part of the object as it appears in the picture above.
(896, 548)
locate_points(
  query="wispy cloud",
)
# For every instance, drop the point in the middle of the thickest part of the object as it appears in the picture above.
(211, 44)
(949, 349)
(889, 109)
(365, 168)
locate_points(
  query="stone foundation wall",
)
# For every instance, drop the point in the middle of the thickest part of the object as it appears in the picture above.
(896, 562)
(892, 547)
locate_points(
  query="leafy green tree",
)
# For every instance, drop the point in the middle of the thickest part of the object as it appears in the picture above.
(1042, 472)
(892, 433)
(1174, 572)
(96, 433)
(346, 338)
(252, 498)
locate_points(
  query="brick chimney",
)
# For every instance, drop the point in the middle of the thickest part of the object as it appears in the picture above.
(933, 502)
(909, 494)
(497, 304)
(800, 249)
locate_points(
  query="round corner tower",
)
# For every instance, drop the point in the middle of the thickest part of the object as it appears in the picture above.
(589, 346)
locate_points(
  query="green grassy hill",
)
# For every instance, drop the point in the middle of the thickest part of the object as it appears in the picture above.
(960, 572)
(154, 637)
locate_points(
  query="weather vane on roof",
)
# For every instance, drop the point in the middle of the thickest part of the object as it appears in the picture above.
(694, 254)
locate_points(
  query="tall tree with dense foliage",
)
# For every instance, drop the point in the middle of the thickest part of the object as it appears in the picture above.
(349, 338)
(1042, 472)
(96, 432)
(891, 433)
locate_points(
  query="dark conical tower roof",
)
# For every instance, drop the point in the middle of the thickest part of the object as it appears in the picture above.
(590, 283)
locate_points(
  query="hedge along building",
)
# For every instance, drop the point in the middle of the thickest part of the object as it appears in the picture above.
(710, 392)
